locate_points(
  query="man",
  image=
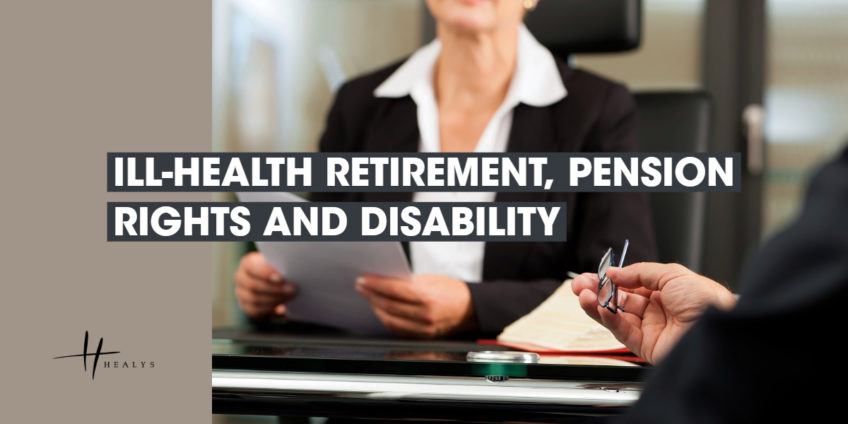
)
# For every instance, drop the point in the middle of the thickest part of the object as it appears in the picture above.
(776, 355)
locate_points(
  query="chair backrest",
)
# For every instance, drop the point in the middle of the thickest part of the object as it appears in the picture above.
(676, 122)
(587, 26)
(669, 121)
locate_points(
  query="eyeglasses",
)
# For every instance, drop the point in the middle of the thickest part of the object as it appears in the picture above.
(607, 291)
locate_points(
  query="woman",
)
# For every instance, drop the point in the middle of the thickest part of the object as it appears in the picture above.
(485, 85)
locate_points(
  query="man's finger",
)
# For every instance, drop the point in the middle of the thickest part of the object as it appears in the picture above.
(641, 291)
(627, 328)
(589, 302)
(624, 326)
(585, 281)
(633, 303)
(393, 288)
(650, 275)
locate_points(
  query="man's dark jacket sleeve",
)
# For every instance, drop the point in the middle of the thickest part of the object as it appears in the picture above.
(777, 356)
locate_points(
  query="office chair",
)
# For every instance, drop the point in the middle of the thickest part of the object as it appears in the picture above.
(672, 121)
(676, 122)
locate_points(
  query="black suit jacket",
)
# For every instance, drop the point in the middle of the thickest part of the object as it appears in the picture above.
(597, 115)
(777, 356)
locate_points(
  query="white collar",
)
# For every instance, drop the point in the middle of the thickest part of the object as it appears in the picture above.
(536, 81)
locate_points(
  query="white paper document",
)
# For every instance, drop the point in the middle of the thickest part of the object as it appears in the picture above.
(324, 273)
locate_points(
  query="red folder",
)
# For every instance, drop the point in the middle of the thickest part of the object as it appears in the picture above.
(623, 354)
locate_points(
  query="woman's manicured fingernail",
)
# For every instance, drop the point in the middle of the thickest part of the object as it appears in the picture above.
(288, 288)
(359, 284)
(276, 278)
(280, 310)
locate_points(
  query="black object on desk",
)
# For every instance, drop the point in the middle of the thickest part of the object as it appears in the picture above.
(304, 372)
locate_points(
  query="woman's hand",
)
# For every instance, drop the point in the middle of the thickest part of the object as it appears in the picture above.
(260, 289)
(661, 302)
(428, 307)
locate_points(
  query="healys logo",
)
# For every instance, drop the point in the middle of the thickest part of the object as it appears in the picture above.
(107, 362)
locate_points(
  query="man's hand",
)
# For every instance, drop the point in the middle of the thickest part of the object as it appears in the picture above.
(661, 302)
(260, 289)
(428, 307)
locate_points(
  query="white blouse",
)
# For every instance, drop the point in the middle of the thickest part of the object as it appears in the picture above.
(535, 82)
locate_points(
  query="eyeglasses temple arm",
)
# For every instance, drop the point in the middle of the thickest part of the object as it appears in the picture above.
(623, 253)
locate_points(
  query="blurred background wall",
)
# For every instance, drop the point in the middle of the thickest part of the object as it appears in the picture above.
(806, 98)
